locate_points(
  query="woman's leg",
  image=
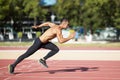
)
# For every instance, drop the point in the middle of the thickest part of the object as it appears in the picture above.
(54, 49)
(36, 45)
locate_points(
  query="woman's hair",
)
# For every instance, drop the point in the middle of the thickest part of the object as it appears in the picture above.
(64, 19)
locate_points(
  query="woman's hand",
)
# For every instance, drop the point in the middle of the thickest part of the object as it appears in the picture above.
(72, 35)
(34, 27)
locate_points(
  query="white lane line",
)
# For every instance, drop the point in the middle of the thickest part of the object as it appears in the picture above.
(67, 54)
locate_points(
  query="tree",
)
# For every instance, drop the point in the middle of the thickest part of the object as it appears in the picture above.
(92, 18)
(3, 8)
(92, 14)
(116, 18)
(10, 9)
(33, 9)
(70, 9)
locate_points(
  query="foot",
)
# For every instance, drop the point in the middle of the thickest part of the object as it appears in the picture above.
(43, 62)
(11, 69)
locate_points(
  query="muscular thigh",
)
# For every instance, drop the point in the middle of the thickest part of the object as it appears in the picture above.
(50, 46)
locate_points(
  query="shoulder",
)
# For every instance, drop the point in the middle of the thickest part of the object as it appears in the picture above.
(51, 24)
(58, 30)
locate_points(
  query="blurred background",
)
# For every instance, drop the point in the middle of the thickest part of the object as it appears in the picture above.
(92, 20)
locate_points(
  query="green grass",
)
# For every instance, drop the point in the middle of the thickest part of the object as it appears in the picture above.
(15, 43)
(92, 45)
(111, 44)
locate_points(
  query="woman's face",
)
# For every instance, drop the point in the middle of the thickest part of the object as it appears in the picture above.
(64, 24)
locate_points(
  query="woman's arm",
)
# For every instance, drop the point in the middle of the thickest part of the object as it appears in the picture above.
(60, 37)
(44, 24)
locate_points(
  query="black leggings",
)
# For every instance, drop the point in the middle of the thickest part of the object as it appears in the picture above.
(37, 45)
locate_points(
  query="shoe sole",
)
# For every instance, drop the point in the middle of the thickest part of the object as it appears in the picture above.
(9, 69)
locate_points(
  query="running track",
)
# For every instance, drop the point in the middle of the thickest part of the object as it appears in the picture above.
(64, 69)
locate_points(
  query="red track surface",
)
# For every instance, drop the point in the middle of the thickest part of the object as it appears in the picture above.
(62, 70)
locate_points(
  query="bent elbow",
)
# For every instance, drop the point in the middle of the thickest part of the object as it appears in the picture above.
(61, 42)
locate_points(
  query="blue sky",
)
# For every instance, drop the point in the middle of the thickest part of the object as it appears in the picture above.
(48, 2)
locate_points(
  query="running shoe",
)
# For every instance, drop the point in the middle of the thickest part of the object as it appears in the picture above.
(43, 62)
(11, 69)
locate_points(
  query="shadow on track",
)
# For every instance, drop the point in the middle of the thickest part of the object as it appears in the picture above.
(82, 69)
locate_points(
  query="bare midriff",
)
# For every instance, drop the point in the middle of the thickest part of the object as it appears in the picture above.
(48, 35)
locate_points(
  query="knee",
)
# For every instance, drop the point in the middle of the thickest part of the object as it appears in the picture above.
(56, 50)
